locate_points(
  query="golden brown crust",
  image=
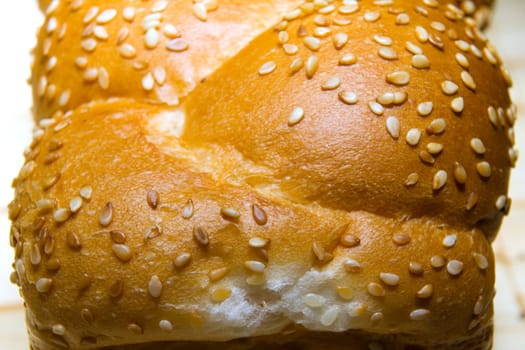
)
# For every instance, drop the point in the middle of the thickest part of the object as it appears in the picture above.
(151, 51)
(267, 196)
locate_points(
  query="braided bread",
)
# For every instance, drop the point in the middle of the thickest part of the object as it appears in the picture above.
(278, 174)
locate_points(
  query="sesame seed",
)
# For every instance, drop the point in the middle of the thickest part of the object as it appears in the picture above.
(43, 285)
(383, 40)
(420, 62)
(412, 180)
(106, 215)
(45, 205)
(493, 117)
(462, 45)
(425, 108)
(86, 315)
(201, 236)
(73, 242)
(440, 27)
(128, 13)
(283, 37)
(449, 88)
(413, 48)
(437, 261)
(293, 14)
(103, 78)
(35, 256)
(376, 108)
(351, 265)
(153, 232)
(478, 307)
(434, 148)
(390, 279)
(151, 38)
(155, 286)
(329, 317)
(177, 45)
(472, 201)
(267, 68)
(86, 192)
(348, 60)
(220, 294)
(312, 64)
(258, 242)
(372, 16)
(89, 45)
(256, 279)
(481, 261)
(387, 53)
(345, 293)
(392, 126)
(386, 99)
(58, 329)
(425, 292)
(477, 146)
(376, 290)
(166, 326)
(413, 137)
(61, 215)
(314, 300)
(415, 268)
(259, 215)
(460, 173)
(348, 8)
(106, 16)
(340, 40)
(147, 82)
(501, 202)
(440, 180)
(419, 314)
(468, 80)
(135, 329)
(402, 19)
(450, 241)
(64, 97)
(332, 83)
(255, 266)
(490, 56)
(421, 34)
(290, 49)
(91, 74)
(321, 32)
(182, 260)
(454, 267)
(90, 14)
(457, 104)
(484, 169)
(81, 62)
(296, 65)
(348, 97)
(399, 78)
(462, 60)
(230, 214)
(187, 210)
(170, 31)
(100, 33)
(122, 252)
(159, 6)
(200, 11)
(349, 241)
(117, 236)
(296, 116)
(426, 157)
(475, 51)
(152, 198)
(437, 126)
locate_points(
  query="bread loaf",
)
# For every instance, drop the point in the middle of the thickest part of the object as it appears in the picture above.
(271, 174)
